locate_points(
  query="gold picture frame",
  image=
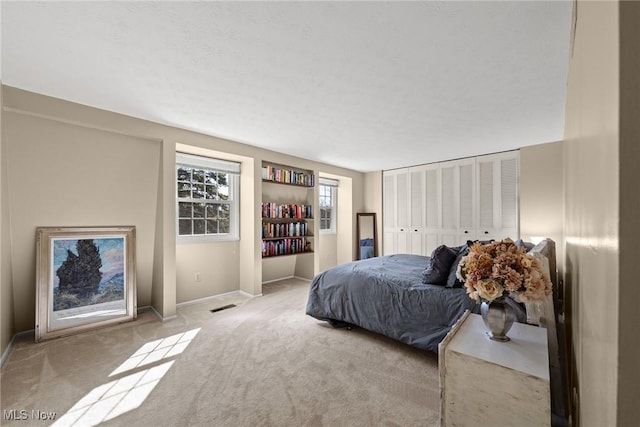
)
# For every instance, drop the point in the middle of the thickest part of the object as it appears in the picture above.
(85, 279)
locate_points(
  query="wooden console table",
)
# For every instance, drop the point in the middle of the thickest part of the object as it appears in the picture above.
(489, 383)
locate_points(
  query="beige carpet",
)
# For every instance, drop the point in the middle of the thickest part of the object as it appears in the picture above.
(261, 363)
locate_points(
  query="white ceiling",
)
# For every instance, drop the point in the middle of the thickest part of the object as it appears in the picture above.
(362, 85)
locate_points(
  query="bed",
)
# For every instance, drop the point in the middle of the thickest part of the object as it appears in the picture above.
(387, 295)
(411, 298)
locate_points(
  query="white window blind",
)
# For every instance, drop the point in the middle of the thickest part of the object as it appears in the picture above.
(208, 163)
(329, 182)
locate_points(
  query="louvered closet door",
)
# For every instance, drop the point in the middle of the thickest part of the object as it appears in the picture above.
(488, 223)
(458, 209)
(510, 214)
(416, 218)
(466, 201)
(402, 208)
(389, 200)
(396, 211)
(498, 196)
(432, 196)
(449, 215)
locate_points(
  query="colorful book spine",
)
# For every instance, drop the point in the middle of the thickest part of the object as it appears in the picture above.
(294, 229)
(287, 176)
(287, 246)
(279, 210)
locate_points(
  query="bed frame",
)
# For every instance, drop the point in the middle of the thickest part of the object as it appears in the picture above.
(551, 320)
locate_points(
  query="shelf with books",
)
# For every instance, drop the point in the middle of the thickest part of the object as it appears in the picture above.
(278, 229)
(287, 175)
(285, 246)
(277, 210)
(287, 216)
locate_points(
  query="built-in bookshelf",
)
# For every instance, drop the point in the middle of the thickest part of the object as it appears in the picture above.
(287, 175)
(285, 228)
(287, 213)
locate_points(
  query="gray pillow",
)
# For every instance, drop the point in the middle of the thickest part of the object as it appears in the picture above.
(452, 280)
(527, 245)
(439, 265)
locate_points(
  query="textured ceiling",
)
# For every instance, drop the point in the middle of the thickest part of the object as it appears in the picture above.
(363, 85)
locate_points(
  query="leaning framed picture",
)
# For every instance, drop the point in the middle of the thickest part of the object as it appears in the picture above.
(85, 278)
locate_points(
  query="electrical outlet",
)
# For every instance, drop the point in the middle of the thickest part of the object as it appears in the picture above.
(197, 277)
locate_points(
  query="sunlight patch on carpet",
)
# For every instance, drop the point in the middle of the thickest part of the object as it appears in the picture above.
(157, 350)
(127, 393)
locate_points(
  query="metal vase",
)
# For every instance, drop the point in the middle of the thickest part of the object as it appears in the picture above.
(498, 316)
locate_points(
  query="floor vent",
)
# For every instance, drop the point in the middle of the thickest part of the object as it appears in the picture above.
(224, 307)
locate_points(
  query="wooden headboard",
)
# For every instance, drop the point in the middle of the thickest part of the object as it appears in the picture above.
(549, 320)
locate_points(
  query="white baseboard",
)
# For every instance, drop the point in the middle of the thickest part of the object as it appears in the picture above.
(285, 278)
(156, 313)
(277, 280)
(212, 297)
(5, 353)
(247, 294)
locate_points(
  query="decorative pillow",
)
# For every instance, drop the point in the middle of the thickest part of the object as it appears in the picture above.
(527, 245)
(439, 265)
(452, 280)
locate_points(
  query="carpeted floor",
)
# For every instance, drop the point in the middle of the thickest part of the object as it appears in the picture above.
(261, 363)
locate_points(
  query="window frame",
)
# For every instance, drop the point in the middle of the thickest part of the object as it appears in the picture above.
(232, 169)
(332, 185)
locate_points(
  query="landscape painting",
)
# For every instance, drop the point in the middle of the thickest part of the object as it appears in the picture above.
(87, 272)
(85, 278)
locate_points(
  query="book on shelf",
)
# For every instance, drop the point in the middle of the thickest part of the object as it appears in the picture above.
(287, 176)
(274, 230)
(284, 210)
(286, 246)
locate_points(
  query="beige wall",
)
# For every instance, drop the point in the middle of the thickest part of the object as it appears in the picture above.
(209, 261)
(340, 247)
(373, 202)
(62, 174)
(541, 194)
(328, 258)
(6, 291)
(85, 160)
(601, 210)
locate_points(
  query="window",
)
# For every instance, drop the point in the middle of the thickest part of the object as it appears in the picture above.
(207, 198)
(328, 208)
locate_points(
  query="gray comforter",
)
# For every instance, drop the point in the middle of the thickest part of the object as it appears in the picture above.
(386, 295)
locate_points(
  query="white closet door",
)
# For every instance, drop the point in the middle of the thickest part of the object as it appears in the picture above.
(389, 196)
(509, 197)
(402, 200)
(450, 203)
(466, 201)
(498, 196)
(432, 196)
(417, 184)
(449, 215)
(389, 213)
(403, 209)
(396, 211)
(486, 191)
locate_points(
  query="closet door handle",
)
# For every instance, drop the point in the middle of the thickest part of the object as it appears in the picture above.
(486, 232)
(466, 232)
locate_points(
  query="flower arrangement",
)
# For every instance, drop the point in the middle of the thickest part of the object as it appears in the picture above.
(493, 270)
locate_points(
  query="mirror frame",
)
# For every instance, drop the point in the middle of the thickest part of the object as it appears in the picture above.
(375, 233)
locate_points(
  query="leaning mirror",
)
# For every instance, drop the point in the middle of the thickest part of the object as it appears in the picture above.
(366, 235)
